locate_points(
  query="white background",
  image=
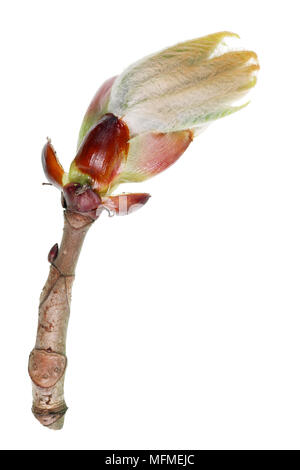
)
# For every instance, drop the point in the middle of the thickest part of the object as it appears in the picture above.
(184, 330)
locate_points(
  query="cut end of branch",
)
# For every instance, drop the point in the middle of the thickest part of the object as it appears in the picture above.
(59, 424)
(52, 419)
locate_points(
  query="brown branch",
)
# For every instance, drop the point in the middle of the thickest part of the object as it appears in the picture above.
(47, 361)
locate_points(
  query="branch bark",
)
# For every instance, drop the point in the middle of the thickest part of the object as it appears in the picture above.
(47, 361)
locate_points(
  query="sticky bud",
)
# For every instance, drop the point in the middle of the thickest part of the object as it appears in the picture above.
(53, 253)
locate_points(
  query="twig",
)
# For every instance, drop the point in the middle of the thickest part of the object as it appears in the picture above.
(47, 361)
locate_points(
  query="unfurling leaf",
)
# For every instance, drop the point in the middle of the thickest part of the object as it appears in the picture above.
(141, 122)
(184, 86)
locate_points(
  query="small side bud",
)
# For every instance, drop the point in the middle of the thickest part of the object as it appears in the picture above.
(53, 253)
